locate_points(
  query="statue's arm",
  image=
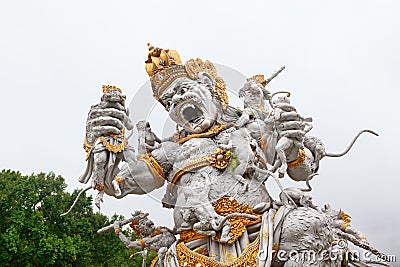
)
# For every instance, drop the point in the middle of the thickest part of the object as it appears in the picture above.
(148, 171)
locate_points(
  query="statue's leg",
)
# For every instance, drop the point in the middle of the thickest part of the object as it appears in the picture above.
(98, 175)
(283, 144)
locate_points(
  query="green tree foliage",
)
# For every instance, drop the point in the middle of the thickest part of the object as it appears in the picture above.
(32, 233)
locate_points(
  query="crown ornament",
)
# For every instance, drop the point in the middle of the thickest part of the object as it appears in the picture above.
(258, 78)
(108, 88)
(164, 66)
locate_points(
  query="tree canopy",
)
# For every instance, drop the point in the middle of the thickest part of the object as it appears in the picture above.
(32, 233)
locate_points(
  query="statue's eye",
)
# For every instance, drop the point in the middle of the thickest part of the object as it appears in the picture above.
(182, 91)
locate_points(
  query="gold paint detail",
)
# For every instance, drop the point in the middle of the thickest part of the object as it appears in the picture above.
(299, 160)
(201, 250)
(159, 59)
(220, 88)
(189, 258)
(99, 187)
(115, 136)
(155, 168)
(156, 232)
(210, 133)
(263, 143)
(261, 108)
(113, 148)
(190, 235)
(346, 218)
(261, 160)
(259, 78)
(154, 262)
(117, 231)
(87, 148)
(108, 88)
(225, 206)
(119, 179)
(219, 159)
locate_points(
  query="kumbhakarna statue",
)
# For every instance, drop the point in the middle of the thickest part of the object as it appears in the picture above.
(215, 166)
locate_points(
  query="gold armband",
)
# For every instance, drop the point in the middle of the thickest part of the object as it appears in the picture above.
(117, 231)
(142, 242)
(119, 179)
(155, 168)
(299, 160)
(99, 187)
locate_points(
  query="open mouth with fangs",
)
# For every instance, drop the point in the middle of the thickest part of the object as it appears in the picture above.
(192, 113)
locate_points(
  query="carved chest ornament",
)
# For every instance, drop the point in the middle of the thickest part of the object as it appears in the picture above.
(219, 159)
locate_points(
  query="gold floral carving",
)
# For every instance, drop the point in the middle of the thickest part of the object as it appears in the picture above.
(220, 88)
(194, 66)
(225, 206)
(219, 159)
(190, 235)
(189, 258)
(113, 148)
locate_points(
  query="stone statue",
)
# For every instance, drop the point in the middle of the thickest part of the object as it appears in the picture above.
(147, 140)
(152, 237)
(215, 168)
(106, 143)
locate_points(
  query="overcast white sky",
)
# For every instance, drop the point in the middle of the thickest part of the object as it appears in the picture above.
(342, 60)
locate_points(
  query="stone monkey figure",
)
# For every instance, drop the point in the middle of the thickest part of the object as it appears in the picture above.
(147, 140)
(155, 238)
(105, 142)
(291, 128)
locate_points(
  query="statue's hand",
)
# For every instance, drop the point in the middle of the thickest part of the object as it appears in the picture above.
(117, 225)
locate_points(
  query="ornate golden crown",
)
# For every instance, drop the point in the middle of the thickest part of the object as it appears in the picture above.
(165, 66)
(259, 78)
(108, 88)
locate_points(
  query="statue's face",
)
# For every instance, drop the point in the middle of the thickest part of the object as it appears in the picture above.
(145, 226)
(191, 105)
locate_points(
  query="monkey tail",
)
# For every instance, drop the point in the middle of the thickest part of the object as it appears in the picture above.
(351, 144)
(308, 182)
(76, 200)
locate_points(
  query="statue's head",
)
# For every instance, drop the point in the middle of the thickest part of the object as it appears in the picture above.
(192, 93)
(143, 126)
(113, 94)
